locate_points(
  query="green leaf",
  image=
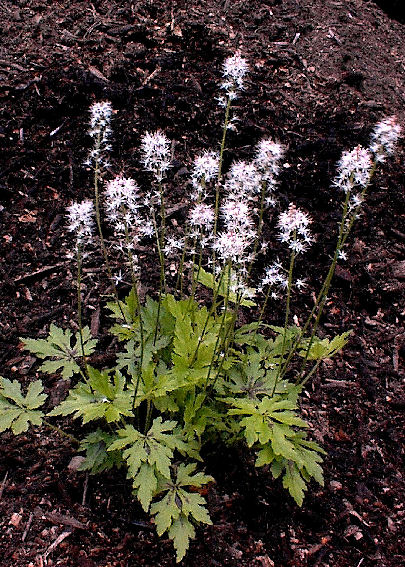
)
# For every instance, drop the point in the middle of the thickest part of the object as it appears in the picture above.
(324, 348)
(98, 459)
(280, 443)
(176, 509)
(128, 308)
(149, 455)
(35, 397)
(294, 483)
(250, 377)
(185, 476)
(99, 398)
(146, 483)
(193, 504)
(165, 512)
(207, 279)
(289, 452)
(58, 347)
(277, 467)
(17, 411)
(265, 456)
(181, 531)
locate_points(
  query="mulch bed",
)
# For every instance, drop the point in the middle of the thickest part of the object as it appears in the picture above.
(322, 74)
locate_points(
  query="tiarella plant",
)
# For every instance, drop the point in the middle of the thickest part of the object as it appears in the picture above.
(188, 372)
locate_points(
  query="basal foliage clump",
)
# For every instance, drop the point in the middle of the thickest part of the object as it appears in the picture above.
(187, 371)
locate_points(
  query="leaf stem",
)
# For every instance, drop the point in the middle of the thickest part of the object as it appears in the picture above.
(100, 230)
(287, 316)
(61, 432)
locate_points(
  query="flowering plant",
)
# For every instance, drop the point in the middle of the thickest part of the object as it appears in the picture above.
(188, 371)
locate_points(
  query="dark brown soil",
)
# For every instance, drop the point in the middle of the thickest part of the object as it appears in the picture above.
(323, 72)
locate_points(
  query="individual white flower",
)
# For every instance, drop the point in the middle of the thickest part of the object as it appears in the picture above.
(300, 284)
(231, 125)
(146, 229)
(118, 278)
(355, 202)
(81, 220)
(342, 255)
(384, 138)
(272, 275)
(155, 148)
(202, 216)
(354, 168)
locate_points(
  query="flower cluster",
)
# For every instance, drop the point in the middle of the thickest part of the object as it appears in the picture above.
(81, 220)
(268, 157)
(206, 167)
(235, 69)
(236, 215)
(100, 131)
(100, 117)
(202, 217)
(274, 276)
(243, 182)
(234, 242)
(232, 245)
(155, 149)
(354, 169)
(293, 225)
(122, 203)
(205, 170)
(384, 138)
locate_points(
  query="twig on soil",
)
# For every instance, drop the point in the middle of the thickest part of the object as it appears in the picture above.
(85, 487)
(27, 527)
(3, 485)
(40, 272)
(57, 518)
(395, 354)
(7, 63)
(337, 383)
(150, 77)
(55, 544)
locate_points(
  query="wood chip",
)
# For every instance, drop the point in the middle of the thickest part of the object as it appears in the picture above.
(3, 485)
(398, 270)
(27, 527)
(15, 519)
(98, 74)
(55, 544)
(41, 272)
(57, 518)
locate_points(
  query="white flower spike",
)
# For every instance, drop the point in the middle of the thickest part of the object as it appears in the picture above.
(155, 148)
(384, 138)
(81, 220)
